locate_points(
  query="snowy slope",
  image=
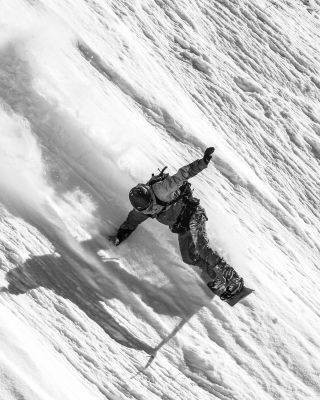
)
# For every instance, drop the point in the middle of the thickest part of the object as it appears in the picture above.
(95, 96)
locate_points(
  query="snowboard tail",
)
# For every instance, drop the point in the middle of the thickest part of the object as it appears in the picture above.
(240, 296)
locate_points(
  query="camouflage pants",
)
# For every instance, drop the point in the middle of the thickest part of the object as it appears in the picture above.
(195, 249)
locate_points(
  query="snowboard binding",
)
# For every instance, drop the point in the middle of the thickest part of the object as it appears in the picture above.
(232, 295)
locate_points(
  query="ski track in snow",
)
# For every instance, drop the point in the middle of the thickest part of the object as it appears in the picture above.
(94, 96)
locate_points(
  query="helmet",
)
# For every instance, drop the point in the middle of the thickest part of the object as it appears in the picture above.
(140, 197)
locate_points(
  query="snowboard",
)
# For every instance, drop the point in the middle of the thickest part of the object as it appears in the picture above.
(240, 296)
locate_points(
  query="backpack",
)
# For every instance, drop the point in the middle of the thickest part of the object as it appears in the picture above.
(190, 203)
(185, 188)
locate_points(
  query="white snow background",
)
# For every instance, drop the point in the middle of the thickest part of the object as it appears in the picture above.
(95, 95)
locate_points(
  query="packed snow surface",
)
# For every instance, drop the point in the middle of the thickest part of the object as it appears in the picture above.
(95, 95)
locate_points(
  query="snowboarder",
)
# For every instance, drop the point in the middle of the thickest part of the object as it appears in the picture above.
(169, 199)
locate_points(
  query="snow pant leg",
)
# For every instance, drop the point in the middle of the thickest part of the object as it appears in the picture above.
(200, 239)
(220, 277)
(195, 250)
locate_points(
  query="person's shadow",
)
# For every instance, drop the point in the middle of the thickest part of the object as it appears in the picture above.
(65, 275)
(61, 274)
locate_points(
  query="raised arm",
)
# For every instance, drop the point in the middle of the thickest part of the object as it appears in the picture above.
(172, 183)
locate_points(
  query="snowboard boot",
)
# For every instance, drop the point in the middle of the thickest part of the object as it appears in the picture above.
(231, 298)
(227, 284)
(235, 292)
(233, 288)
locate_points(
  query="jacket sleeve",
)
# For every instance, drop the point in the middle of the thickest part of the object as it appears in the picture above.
(172, 183)
(134, 219)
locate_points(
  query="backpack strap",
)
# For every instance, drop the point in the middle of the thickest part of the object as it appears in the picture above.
(185, 191)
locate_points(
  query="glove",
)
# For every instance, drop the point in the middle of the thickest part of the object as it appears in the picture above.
(114, 240)
(207, 154)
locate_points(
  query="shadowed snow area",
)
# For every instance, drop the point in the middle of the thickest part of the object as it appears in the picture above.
(94, 97)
